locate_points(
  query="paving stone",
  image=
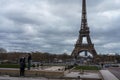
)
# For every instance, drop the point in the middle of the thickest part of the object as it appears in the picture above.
(107, 75)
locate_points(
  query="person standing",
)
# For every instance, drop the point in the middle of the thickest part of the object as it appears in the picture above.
(102, 65)
(29, 61)
(22, 66)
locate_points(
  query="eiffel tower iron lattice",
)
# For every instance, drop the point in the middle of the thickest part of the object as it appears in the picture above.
(84, 33)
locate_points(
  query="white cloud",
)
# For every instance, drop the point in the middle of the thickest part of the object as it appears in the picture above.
(110, 15)
(111, 45)
(30, 30)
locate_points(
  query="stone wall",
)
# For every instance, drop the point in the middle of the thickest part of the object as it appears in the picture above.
(33, 73)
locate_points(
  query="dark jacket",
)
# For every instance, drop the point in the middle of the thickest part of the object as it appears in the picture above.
(22, 63)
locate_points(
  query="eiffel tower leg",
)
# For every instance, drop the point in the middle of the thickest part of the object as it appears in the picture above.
(89, 40)
(80, 39)
(74, 54)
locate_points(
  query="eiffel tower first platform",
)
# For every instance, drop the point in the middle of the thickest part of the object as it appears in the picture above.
(84, 33)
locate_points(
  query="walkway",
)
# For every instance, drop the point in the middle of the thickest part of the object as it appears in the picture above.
(24, 78)
(107, 75)
(19, 78)
(115, 71)
(54, 68)
(88, 75)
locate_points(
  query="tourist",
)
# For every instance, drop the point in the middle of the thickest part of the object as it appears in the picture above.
(102, 65)
(29, 61)
(41, 65)
(37, 65)
(22, 66)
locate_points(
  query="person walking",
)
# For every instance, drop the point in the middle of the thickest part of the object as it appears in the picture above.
(22, 66)
(29, 61)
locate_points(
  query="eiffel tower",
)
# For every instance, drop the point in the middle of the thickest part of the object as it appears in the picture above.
(84, 33)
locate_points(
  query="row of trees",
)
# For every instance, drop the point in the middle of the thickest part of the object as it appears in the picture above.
(36, 56)
(48, 57)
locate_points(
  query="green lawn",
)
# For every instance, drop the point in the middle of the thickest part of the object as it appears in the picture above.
(86, 68)
(9, 65)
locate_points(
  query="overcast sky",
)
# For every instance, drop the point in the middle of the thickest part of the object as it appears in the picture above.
(53, 25)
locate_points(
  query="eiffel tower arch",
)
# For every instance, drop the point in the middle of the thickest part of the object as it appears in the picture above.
(84, 33)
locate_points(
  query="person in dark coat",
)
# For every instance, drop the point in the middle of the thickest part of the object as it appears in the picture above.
(29, 61)
(22, 66)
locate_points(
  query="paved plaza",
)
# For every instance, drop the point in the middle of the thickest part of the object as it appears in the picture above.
(115, 71)
(55, 68)
(85, 75)
(51, 68)
(20, 78)
(25, 78)
(107, 74)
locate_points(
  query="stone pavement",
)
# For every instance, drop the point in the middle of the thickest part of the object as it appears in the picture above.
(107, 75)
(54, 68)
(20, 78)
(115, 71)
(25, 78)
(87, 75)
(53, 72)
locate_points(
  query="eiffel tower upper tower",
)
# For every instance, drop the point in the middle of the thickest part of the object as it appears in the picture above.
(84, 32)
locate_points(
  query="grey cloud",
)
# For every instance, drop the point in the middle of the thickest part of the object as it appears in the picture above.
(53, 25)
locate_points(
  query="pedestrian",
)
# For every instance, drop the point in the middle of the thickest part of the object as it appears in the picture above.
(22, 66)
(37, 65)
(41, 65)
(29, 61)
(102, 64)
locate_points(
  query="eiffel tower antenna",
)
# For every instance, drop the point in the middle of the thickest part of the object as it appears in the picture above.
(84, 33)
